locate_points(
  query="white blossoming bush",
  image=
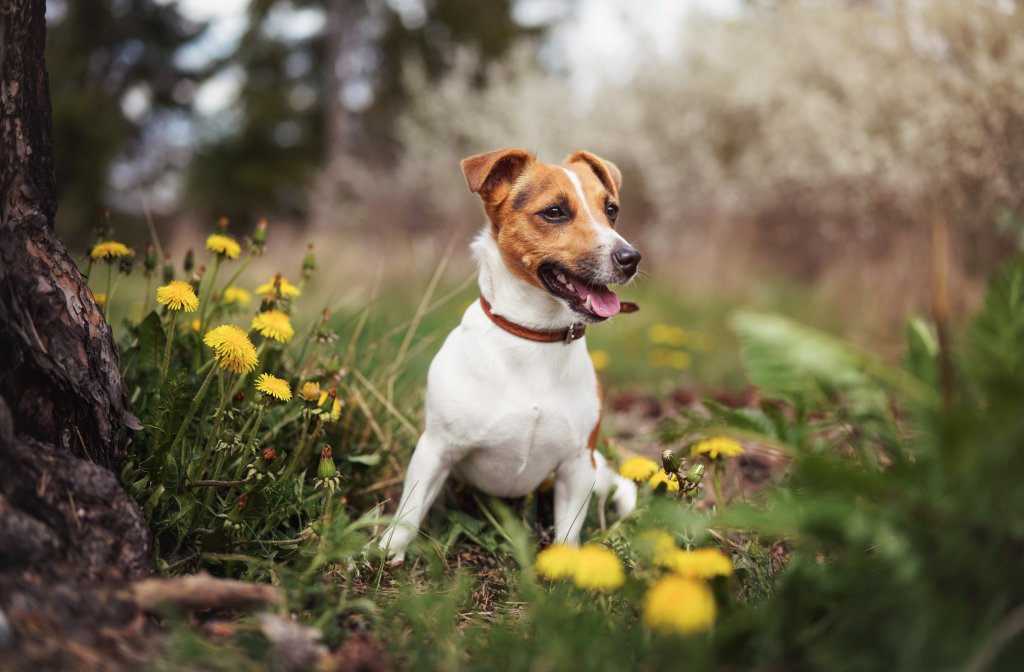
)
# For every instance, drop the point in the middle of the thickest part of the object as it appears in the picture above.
(817, 136)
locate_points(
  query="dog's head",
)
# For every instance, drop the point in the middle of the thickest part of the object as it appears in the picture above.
(555, 225)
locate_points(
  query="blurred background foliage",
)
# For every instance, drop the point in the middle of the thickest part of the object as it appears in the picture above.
(778, 152)
(296, 86)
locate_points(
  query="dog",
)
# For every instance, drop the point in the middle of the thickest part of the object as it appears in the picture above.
(512, 396)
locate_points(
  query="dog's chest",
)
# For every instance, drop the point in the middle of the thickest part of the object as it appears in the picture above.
(512, 412)
(524, 445)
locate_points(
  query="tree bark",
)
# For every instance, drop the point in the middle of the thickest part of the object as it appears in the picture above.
(70, 538)
(61, 374)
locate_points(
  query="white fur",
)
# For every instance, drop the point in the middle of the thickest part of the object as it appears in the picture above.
(503, 413)
(607, 236)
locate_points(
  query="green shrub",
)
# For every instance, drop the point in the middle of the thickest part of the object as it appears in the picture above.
(900, 508)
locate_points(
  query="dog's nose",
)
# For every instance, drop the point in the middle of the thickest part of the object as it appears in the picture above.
(627, 258)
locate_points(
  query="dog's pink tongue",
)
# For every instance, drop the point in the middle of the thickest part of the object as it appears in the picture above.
(603, 301)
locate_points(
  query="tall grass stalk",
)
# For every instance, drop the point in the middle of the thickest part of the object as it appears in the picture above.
(193, 407)
(165, 365)
(218, 424)
(204, 302)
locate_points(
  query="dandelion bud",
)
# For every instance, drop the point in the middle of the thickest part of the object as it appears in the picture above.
(324, 333)
(190, 260)
(259, 237)
(168, 269)
(326, 469)
(695, 474)
(269, 455)
(126, 263)
(197, 278)
(670, 461)
(103, 228)
(333, 365)
(239, 397)
(308, 263)
(150, 261)
(222, 224)
(234, 520)
(311, 391)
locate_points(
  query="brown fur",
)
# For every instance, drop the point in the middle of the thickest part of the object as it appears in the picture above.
(515, 188)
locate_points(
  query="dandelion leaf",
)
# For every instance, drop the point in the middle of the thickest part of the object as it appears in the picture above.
(798, 363)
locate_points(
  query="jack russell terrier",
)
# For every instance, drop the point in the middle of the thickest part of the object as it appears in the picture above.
(512, 396)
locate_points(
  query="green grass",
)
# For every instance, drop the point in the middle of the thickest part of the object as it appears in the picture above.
(892, 543)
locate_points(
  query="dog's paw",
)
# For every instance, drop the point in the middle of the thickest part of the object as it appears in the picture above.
(393, 543)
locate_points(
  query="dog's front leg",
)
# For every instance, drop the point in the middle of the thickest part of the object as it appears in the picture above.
(574, 481)
(428, 469)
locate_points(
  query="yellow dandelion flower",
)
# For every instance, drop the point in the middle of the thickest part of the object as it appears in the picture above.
(274, 387)
(600, 358)
(224, 246)
(660, 478)
(215, 337)
(638, 468)
(110, 249)
(311, 392)
(702, 563)
(670, 359)
(195, 324)
(232, 347)
(100, 298)
(598, 568)
(717, 446)
(679, 606)
(236, 295)
(667, 334)
(287, 288)
(178, 295)
(557, 561)
(274, 324)
(657, 543)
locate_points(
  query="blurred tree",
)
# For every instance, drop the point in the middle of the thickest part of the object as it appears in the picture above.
(113, 71)
(309, 97)
(430, 40)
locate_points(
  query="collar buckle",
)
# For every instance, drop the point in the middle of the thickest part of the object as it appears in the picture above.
(572, 333)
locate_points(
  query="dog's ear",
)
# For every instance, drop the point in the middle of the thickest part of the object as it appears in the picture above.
(486, 173)
(606, 171)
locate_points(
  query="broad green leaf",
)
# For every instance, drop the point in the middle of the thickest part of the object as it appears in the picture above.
(793, 361)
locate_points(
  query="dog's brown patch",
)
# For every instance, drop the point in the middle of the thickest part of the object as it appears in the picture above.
(516, 189)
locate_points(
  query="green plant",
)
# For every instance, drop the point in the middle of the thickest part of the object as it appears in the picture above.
(256, 424)
(893, 542)
(902, 502)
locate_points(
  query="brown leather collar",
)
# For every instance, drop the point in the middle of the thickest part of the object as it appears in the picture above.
(573, 333)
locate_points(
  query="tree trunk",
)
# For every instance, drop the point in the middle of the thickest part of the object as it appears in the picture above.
(70, 537)
(341, 43)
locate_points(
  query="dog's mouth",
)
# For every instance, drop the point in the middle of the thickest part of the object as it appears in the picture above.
(592, 300)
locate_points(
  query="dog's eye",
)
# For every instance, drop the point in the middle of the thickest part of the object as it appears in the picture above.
(612, 211)
(554, 214)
